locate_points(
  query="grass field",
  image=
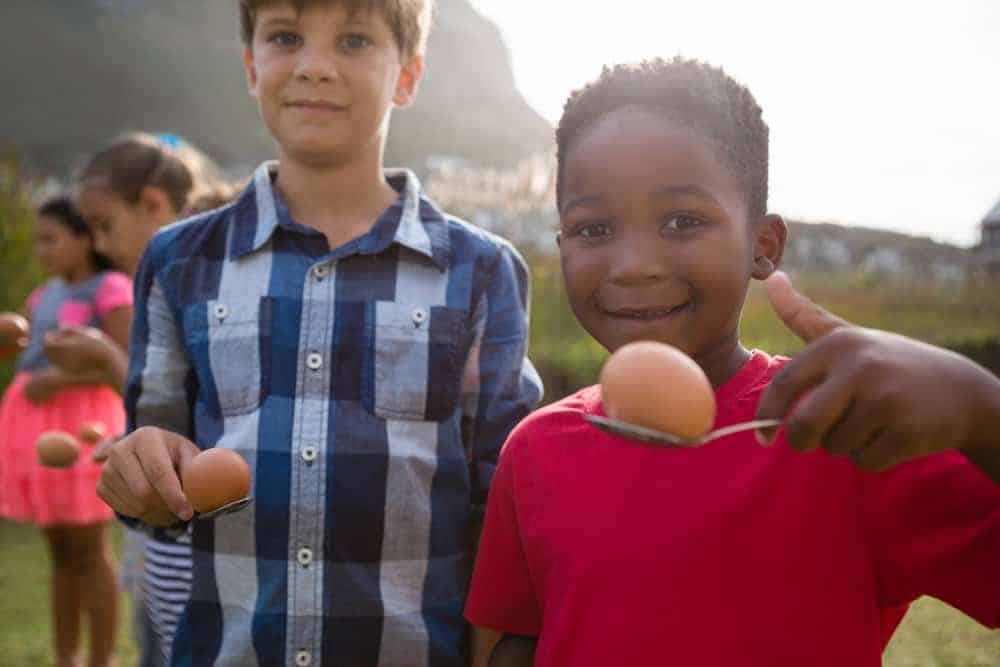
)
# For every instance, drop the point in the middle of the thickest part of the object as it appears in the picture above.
(933, 635)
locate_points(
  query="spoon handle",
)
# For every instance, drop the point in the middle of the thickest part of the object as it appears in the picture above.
(737, 428)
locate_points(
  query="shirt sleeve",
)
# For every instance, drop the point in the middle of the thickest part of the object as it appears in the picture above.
(32, 302)
(502, 596)
(160, 387)
(500, 386)
(934, 528)
(114, 292)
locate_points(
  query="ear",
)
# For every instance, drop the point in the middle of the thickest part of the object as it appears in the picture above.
(769, 237)
(408, 81)
(155, 206)
(251, 71)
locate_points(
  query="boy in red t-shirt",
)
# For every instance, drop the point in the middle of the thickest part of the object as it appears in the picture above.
(732, 553)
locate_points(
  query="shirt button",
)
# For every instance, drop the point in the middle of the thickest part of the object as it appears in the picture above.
(419, 315)
(303, 658)
(309, 454)
(304, 556)
(221, 310)
(321, 272)
(314, 361)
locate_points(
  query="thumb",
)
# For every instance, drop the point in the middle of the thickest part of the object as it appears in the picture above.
(804, 318)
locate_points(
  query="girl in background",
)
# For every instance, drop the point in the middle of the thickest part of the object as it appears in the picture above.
(42, 397)
(127, 191)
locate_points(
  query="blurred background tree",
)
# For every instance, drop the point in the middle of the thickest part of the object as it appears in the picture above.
(19, 272)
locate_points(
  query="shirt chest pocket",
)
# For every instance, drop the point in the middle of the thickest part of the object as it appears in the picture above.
(231, 343)
(414, 363)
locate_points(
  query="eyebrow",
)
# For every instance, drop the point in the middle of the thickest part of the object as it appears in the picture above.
(276, 21)
(685, 191)
(576, 202)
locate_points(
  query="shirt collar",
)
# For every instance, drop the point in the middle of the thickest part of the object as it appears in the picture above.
(416, 223)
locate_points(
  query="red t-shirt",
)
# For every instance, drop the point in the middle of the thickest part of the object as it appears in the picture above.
(729, 554)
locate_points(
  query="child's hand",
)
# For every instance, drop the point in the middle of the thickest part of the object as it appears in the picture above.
(102, 450)
(141, 476)
(78, 349)
(44, 384)
(876, 397)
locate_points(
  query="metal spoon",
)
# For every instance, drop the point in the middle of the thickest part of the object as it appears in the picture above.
(651, 436)
(228, 508)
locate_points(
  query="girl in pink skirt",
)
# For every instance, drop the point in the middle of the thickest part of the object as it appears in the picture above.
(63, 502)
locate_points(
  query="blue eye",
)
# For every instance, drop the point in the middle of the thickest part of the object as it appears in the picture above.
(285, 39)
(355, 42)
(681, 223)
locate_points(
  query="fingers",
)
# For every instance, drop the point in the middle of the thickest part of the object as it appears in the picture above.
(855, 431)
(818, 413)
(801, 373)
(885, 451)
(804, 318)
(102, 450)
(158, 464)
(140, 476)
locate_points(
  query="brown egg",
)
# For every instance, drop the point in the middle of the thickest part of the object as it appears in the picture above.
(657, 386)
(57, 449)
(214, 478)
(14, 330)
(93, 432)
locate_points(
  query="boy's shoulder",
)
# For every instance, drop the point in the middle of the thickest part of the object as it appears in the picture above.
(467, 241)
(201, 234)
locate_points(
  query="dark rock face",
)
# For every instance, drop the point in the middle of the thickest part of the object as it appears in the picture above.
(74, 74)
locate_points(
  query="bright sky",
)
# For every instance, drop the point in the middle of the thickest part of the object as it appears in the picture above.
(883, 113)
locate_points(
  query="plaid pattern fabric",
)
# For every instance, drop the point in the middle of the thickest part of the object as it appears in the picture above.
(370, 389)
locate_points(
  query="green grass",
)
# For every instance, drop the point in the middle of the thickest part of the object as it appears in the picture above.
(932, 635)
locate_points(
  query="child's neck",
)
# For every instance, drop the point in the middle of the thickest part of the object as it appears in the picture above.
(340, 201)
(78, 275)
(722, 363)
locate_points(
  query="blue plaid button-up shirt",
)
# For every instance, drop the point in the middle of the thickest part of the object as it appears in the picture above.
(370, 388)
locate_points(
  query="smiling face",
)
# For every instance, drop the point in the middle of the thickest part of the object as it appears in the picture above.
(326, 80)
(654, 238)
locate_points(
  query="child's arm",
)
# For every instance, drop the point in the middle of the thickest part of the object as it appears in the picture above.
(877, 397)
(500, 386)
(140, 478)
(514, 651)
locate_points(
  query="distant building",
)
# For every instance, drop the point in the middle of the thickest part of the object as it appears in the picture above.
(988, 252)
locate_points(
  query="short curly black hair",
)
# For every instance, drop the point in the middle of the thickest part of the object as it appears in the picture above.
(686, 91)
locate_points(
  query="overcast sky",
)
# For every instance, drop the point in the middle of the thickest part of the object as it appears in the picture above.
(883, 113)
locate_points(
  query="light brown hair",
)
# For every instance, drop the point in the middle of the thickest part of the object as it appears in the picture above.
(409, 20)
(139, 160)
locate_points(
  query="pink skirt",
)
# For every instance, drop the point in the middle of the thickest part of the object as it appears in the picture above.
(31, 492)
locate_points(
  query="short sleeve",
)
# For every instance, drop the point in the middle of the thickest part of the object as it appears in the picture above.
(934, 528)
(502, 596)
(114, 292)
(33, 298)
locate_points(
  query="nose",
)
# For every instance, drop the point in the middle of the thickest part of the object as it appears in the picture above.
(639, 260)
(316, 65)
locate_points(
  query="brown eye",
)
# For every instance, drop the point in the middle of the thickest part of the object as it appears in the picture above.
(681, 223)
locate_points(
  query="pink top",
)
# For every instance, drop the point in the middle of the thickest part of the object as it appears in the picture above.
(731, 554)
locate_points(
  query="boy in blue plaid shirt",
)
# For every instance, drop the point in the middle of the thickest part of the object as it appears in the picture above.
(363, 351)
